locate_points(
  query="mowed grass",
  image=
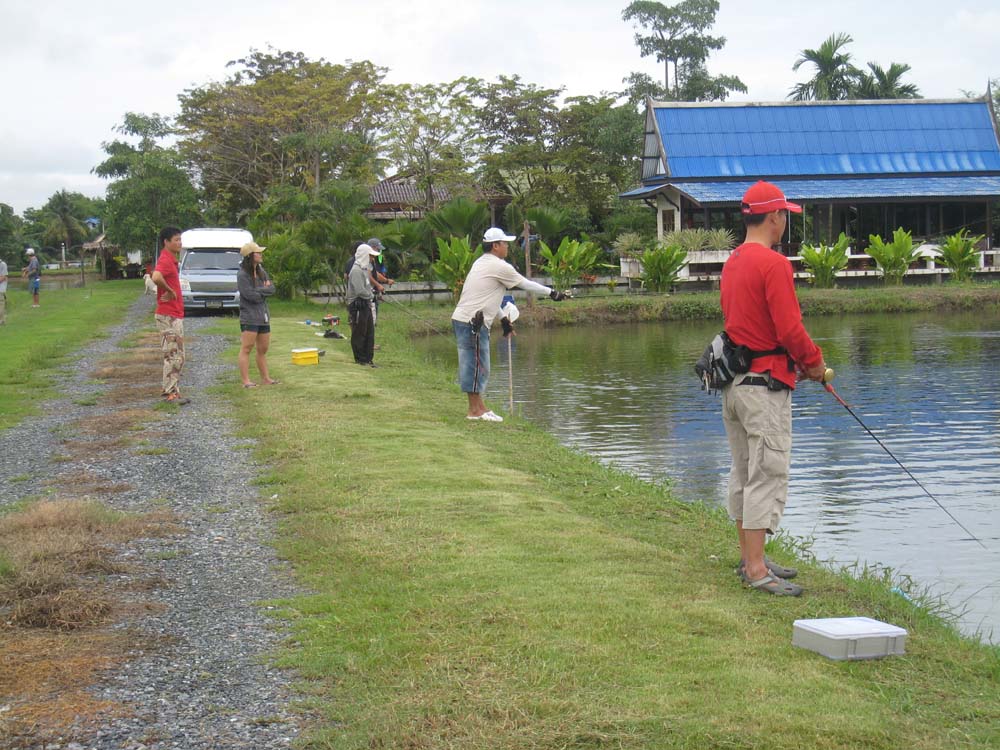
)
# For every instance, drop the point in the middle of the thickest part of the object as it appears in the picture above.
(479, 586)
(36, 341)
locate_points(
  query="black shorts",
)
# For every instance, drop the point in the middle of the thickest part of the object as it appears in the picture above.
(255, 329)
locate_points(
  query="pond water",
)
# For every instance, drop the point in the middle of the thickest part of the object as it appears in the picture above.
(927, 385)
(50, 281)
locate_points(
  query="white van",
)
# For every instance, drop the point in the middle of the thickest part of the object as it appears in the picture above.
(208, 267)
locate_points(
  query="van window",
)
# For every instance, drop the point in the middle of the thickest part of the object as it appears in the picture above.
(196, 260)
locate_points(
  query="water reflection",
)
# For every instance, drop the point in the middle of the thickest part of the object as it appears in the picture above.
(926, 385)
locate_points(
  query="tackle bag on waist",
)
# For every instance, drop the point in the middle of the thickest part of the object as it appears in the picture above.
(723, 360)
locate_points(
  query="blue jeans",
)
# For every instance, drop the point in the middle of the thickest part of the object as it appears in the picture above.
(473, 357)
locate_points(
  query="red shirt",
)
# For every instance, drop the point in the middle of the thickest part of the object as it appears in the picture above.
(762, 312)
(167, 266)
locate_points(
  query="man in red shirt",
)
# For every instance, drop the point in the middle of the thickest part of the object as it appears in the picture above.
(170, 313)
(762, 312)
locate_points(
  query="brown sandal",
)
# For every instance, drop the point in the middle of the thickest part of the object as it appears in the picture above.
(774, 585)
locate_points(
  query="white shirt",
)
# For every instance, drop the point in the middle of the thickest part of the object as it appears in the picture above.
(484, 287)
(3, 273)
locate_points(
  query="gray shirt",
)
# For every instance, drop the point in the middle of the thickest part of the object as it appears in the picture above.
(34, 270)
(359, 284)
(3, 277)
(253, 297)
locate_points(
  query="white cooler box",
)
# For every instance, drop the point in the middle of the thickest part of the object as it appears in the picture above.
(849, 638)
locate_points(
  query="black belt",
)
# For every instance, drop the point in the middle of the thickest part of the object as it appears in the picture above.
(758, 380)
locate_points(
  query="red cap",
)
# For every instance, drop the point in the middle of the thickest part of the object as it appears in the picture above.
(763, 198)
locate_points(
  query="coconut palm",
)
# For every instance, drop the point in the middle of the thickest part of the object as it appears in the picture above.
(61, 224)
(835, 77)
(883, 83)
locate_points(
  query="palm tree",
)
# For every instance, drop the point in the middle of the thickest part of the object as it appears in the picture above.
(835, 76)
(549, 223)
(62, 225)
(885, 84)
(460, 217)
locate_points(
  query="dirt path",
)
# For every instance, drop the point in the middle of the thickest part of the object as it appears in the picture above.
(181, 660)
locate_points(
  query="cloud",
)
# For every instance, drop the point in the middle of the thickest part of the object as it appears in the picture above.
(34, 190)
(74, 70)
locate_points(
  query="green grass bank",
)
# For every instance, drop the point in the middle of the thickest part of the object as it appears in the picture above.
(705, 305)
(598, 307)
(36, 341)
(480, 586)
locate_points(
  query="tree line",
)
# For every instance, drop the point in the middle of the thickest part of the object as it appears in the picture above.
(289, 147)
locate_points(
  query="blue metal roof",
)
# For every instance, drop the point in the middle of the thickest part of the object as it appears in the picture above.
(835, 139)
(707, 193)
(641, 191)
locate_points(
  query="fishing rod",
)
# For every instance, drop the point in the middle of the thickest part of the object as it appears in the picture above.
(427, 322)
(414, 315)
(828, 385)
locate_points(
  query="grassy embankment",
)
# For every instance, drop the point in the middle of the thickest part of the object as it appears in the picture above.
(479, 586)
(705, 305)
(36, 341)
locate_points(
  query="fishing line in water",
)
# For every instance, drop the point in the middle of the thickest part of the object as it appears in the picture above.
(829, 387)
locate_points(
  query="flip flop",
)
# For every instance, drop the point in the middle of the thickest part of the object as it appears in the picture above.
(779, 570)
(249, 385)
(273, 382)
(774, 585)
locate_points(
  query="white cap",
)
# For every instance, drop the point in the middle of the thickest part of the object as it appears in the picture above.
(495, 234)
(29, 251)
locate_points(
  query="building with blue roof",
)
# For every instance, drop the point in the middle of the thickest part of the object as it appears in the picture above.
(859, 167)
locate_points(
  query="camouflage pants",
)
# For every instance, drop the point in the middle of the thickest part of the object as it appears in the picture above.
(172, 342)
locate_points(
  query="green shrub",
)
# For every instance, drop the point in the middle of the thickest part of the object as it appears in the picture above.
(893, 258)
(689, 240)
(661, 266)
(629, 245)
(959, 255)
(824, 261)
(720, 239)
(571, 260)
(294, 266)
(455, 258)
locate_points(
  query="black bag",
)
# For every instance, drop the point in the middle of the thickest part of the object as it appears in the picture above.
(723, 360)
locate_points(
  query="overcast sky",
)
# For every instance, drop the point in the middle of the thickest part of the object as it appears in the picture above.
(71, 69)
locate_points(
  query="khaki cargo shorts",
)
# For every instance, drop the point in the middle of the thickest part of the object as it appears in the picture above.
(759, 427)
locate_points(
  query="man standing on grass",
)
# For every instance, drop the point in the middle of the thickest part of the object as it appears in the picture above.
(3, 293)
(33, 272)
(170, 314)
(762, 312)
(482, 293)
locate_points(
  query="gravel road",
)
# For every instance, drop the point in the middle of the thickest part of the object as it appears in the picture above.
(200, 677)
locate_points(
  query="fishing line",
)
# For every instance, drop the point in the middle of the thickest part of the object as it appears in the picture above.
(827, 377)
(414, 315)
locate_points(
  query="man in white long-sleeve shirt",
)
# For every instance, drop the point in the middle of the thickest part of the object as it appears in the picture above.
(482, 293)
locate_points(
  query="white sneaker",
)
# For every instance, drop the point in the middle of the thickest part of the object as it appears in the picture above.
(487, 417)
